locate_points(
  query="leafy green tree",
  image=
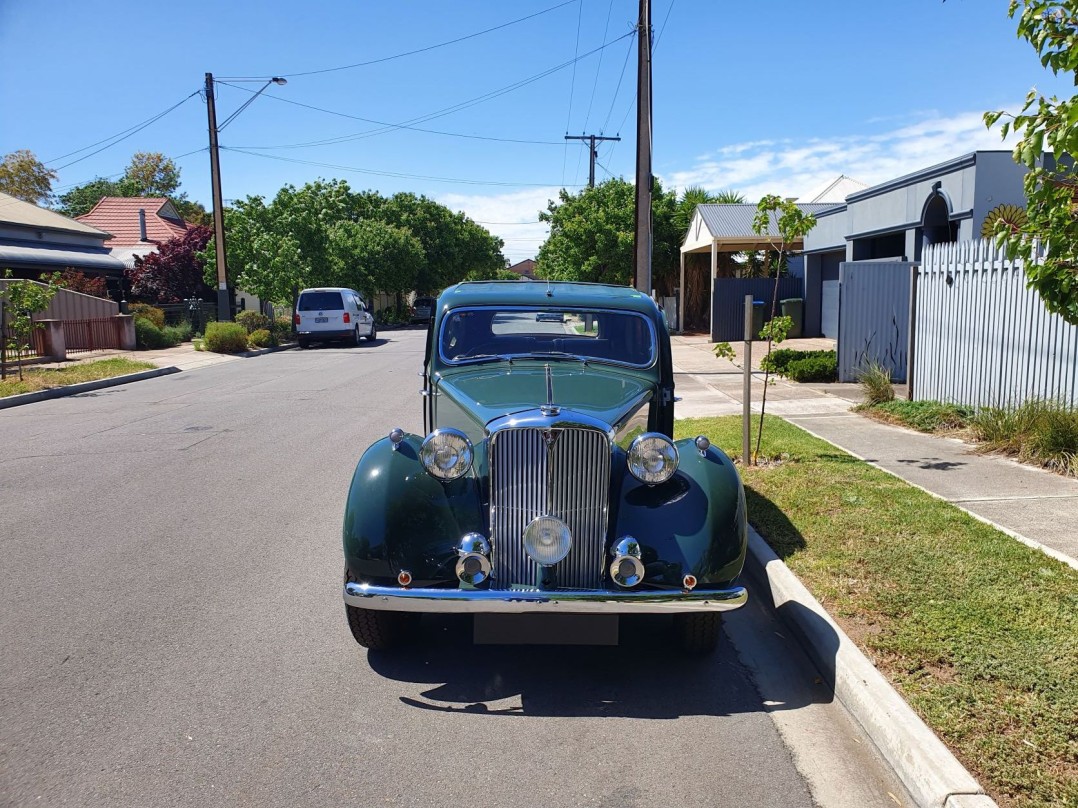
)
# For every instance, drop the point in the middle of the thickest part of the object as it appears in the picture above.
(375, 256)
(148, 174)
(21, 300)
(592, 235)
(1051, 185)
(25, 177)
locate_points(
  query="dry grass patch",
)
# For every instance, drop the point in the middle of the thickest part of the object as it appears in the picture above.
(37, 379)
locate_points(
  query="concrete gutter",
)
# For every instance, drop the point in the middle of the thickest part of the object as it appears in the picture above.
(931, 774)
(84, 387)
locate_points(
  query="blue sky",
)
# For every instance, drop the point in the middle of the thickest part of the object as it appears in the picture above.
(769, 96)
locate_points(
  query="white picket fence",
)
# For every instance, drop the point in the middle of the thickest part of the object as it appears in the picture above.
(982, 338)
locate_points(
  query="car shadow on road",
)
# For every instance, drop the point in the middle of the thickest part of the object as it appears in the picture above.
(645, 676)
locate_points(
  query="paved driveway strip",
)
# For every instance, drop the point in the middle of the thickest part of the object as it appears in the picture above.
(172, 630)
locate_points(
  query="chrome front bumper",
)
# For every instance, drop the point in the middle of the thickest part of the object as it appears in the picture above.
(501, 601)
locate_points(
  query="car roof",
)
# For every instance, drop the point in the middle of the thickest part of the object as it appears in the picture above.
(328, 289)
(544, 293)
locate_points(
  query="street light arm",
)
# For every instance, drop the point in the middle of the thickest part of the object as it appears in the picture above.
(249, 101)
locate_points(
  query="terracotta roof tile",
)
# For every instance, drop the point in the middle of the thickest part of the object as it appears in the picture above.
(119, 215)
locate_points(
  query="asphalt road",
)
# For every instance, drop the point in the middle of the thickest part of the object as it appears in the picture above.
(172, 633)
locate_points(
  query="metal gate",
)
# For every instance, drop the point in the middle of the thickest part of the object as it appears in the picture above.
(874, 317)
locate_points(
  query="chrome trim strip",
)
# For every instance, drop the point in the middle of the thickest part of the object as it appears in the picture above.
(486, 601)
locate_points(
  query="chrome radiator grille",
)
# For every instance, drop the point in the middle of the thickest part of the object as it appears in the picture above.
(568, 479)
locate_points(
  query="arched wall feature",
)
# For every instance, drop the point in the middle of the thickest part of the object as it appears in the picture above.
(936, 224)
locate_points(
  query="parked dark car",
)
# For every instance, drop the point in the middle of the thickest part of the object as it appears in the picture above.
(548, 480)
(422, 309)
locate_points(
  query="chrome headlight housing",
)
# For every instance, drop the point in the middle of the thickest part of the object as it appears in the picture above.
(547, 540)
(653, 458)
(446, 454)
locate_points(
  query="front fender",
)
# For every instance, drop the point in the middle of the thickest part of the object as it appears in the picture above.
(695, 522)
(399, 517)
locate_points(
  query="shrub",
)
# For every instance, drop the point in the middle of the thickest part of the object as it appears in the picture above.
(1038, 432)
(875, 381)
(818, 368)
(149, 337)
(927, 416)
(779, 361)
(144, 311)
(260, 338)
(225, 338)
(252, 320)
(281, 329)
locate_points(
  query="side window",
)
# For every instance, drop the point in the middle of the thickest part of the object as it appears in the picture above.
(360, 304)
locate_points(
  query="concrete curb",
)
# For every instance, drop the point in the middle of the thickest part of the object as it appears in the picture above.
(260, 351)
(1036, 545)
(85, 387)
(931, 774)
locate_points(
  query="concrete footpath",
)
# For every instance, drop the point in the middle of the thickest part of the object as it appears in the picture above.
(1035, 506)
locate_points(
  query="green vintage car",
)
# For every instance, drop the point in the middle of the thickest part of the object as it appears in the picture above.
(548, 481)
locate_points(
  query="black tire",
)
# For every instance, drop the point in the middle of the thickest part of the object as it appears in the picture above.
(376, 629)
(374, 333)
(698, 633)
(303, 344)
(355, 338)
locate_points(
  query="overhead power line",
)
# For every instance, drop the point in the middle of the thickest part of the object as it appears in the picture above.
(413, 52)
(471, 102)
(112, 140)
(400, 175)
(175, 158)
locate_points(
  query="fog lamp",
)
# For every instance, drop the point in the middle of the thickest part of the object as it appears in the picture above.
(473, 565)
(626, 569)
(652, 458)
(446, 454)
(547, 540)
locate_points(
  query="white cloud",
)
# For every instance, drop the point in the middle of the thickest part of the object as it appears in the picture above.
(790, 167)
(510, 216)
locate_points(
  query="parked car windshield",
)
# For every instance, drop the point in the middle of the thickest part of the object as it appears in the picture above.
(608, 336)
(320, 301)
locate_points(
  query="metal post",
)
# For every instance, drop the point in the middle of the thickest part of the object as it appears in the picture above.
(910, 348)
(642, 253)
(746, 387)
(224, 313)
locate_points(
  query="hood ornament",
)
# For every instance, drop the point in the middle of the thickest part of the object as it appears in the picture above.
(550, 408)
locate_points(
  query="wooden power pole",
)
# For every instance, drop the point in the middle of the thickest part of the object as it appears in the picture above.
(642, 253)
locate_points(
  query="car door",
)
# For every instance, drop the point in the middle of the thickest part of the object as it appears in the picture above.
(366, 319)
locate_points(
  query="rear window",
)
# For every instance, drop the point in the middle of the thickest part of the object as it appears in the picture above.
(320, 301)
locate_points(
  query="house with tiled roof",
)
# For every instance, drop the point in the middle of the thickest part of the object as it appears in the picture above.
(525, 269)
(138, 224)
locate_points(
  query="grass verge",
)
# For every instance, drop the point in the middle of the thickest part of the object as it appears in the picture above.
(977, 631)
(35, 379)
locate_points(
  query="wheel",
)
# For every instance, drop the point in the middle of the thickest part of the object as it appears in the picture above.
(353, 342)
(304, 344)
(371, 337)
(376, 629)
(698, 633)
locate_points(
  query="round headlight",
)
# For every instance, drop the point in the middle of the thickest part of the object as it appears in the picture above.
(547, 540)
(446, 454)
(653, 458)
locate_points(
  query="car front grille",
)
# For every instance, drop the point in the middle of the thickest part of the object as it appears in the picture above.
(563, 472)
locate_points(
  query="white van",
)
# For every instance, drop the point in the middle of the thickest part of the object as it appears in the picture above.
(333, 313)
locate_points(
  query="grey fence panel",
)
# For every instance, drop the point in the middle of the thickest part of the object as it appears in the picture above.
(874, 317)
(982, 338)
(68, 305)
(728, 304)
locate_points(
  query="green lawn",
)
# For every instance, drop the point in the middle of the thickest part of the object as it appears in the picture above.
(36, 379)
(977, 631)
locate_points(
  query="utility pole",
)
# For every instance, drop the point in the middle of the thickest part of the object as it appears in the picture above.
(594, 155)
(642, 254)
(224, 310)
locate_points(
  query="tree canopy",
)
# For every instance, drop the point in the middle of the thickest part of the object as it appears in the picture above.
(148, 174)
(324, 234)
(25, 177)
(1047, 239)
(174, 272)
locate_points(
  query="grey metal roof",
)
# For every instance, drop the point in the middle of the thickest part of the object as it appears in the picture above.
(726, 221)
(57, 256)
(15, 211)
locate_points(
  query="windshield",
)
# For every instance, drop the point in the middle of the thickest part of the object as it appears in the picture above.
(608, 336)
(320, 301)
